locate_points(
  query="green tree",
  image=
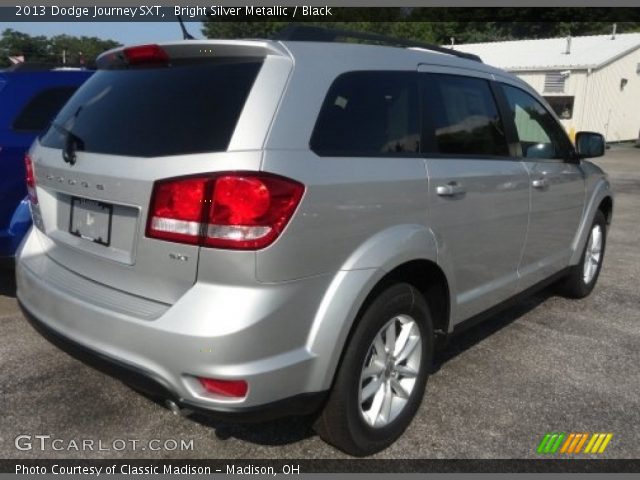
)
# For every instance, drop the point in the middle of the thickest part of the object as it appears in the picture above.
(435, 25)
(14, 43)
(74, 51)
(79, 49)
(376, 20)
(213, 29)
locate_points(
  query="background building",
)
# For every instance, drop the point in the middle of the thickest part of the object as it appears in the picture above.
(592, 82)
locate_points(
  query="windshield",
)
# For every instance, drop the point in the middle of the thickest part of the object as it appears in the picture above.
(150, 112)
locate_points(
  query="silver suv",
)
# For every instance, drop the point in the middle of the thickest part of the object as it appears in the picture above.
(279, 227)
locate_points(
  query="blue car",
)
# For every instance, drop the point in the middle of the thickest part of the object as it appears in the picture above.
(30, 96)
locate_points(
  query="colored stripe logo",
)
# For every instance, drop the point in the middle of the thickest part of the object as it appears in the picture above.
(574, 443)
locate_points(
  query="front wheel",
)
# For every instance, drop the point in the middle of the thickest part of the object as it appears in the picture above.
(380, 383)
(582, 277)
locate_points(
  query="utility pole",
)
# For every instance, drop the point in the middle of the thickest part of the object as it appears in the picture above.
(64, 57)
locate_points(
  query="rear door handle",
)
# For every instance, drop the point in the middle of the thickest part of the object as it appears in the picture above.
(450, 189)
(540, 183)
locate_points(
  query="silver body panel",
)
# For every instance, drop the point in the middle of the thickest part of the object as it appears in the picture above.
(556, 209)
(485, 226)
(279, 317)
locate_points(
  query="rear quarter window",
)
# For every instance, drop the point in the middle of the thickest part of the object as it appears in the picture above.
(369, 114)
(148, 112)
(38, 112)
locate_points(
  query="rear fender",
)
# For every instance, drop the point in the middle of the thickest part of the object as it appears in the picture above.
(348, 290)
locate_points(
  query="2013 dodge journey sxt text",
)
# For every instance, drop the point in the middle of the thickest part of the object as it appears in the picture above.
(258, 228)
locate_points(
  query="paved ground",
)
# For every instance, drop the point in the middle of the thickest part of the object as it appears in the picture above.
(549, 364)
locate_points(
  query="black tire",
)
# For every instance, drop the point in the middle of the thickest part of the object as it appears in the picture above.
(341, 422)
(574, 284)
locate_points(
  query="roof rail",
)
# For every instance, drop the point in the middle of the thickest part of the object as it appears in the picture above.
(305, 33)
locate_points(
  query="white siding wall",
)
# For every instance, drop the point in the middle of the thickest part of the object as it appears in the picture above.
(599, 103)
(607, 108)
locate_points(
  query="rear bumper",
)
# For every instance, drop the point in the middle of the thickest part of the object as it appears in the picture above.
(12, 233)
(302, 404)
(257, 334)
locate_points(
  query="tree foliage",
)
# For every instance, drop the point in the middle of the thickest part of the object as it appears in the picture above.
(441, 25)
(77, 51)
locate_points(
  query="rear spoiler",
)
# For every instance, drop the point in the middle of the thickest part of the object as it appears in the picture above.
(188, 50)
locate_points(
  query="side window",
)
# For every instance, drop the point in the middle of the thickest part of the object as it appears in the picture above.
(461, 116)
(539, 134)
(369, 113)
(40, 110)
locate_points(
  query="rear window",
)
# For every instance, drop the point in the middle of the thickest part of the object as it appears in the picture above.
(38, 112)
(369, 114)
(148, 112)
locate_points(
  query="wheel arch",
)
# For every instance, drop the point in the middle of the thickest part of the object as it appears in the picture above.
(606, 207)
(423, 274)
(600, 199)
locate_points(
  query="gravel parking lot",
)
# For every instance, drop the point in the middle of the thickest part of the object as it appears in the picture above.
(548, 364)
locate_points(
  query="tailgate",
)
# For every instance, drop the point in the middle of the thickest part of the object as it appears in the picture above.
(111, 194)
(130, 125)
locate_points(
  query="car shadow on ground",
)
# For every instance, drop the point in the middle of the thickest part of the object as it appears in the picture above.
(278, 432)
(7, 282)
(290, 430)
(472, 336)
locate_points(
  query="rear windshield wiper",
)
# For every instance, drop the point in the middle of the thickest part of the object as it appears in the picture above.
(72, 144)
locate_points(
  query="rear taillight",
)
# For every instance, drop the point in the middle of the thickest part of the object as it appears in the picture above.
(244, 211)
(146, 55)
(31, 180)
(176, 210)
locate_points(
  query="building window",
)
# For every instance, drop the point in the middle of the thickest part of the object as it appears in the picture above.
(554, 82)
(563, 106)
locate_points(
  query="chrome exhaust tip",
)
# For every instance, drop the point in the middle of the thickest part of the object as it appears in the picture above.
(175, 408)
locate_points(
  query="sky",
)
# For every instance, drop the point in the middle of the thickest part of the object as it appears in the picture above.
(122, 32)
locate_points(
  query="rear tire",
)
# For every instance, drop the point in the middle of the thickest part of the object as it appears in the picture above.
(582, 277)
(381, 380)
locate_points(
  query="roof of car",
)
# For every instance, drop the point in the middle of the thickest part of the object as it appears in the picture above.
(333, 56)
(33, 67)
(353, 54)
(366, 53)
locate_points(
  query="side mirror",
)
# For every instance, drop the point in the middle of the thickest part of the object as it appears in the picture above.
(589, 144)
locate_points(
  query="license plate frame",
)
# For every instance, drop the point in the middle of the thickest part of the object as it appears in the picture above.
(95, 223)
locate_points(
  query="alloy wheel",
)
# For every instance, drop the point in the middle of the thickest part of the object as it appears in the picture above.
(593, 254)
(389, 371)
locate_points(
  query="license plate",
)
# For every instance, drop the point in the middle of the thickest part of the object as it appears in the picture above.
(91, 220)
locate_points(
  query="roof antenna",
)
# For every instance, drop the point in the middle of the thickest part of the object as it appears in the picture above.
(613, 33)
(185, 35)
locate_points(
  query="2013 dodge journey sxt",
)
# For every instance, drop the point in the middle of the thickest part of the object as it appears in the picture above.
(268, 227)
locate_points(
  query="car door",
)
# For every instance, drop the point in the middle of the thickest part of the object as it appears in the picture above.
(557, 186)
(478, 191)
